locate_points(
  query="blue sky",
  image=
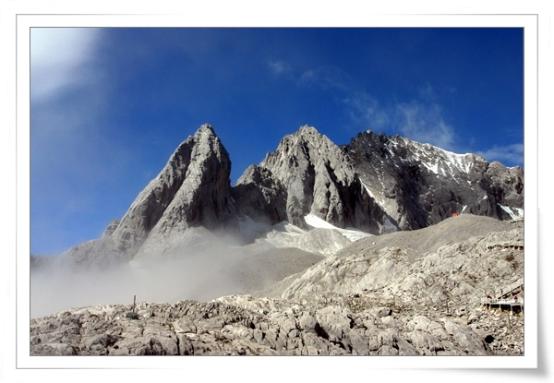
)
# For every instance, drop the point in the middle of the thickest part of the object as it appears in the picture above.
(109, 106)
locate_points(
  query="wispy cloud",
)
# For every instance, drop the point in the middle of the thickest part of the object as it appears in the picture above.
(59, 59)
(365, 111)
(278, 67)
(511, 154)
(326, 77)
(420, 119)
(423, 121)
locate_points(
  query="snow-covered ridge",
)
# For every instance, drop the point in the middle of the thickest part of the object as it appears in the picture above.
(438, 160)
(447, 163)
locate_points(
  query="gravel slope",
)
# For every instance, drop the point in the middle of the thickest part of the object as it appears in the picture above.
(379, 301)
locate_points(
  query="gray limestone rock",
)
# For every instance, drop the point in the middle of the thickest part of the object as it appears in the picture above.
(261, 196)
(193, 189)
(419, 185)
(375, 184)
(320, 179)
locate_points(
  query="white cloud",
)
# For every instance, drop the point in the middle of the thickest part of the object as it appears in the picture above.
(59, 57)
(366, 111)
(420, 119)
(511, 154)
(69, 130)
(278, 67)
(424, 122)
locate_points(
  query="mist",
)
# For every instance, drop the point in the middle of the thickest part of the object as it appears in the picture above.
(200, 266)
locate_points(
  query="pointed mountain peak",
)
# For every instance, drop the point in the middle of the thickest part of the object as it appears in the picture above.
(192, 189)
(307, 130)
(305, 133)
(206, 129)
(309, 133)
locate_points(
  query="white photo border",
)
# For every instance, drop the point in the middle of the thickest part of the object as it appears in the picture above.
(529, 22)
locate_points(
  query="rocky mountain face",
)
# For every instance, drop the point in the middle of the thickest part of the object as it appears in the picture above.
(193, 189)
(393, 297)
(320, 179)
(260, 195)
(320, 281)
(379, 183)
(375, 184)
(418, 185)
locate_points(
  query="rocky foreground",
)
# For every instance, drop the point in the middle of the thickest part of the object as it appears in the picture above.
(385, 295)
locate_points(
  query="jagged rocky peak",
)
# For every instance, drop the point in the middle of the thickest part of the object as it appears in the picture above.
(204, 196)
(420, 184)
(307, 143)
(376, 183)
(260, 196)
(255, 174)
(192, 189)
(436, 160)
(314, 171)
(319, 179)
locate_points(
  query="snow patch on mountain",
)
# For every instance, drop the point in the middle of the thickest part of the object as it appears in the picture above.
(515, 213)
(318, 241)
(321, 237)
(352, 235)
(440, 161)
(372, 195)
(462, 162)
(434, 168)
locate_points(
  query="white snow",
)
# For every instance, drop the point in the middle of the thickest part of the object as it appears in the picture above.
(316, 222)
(368, 190)
(325, 238)
(434, 168)
(322, 241)
(460, 161)
(514, 213)
(441, 161)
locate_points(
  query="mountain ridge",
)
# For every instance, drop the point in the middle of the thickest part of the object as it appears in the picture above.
(376, 184)
(293, 234)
